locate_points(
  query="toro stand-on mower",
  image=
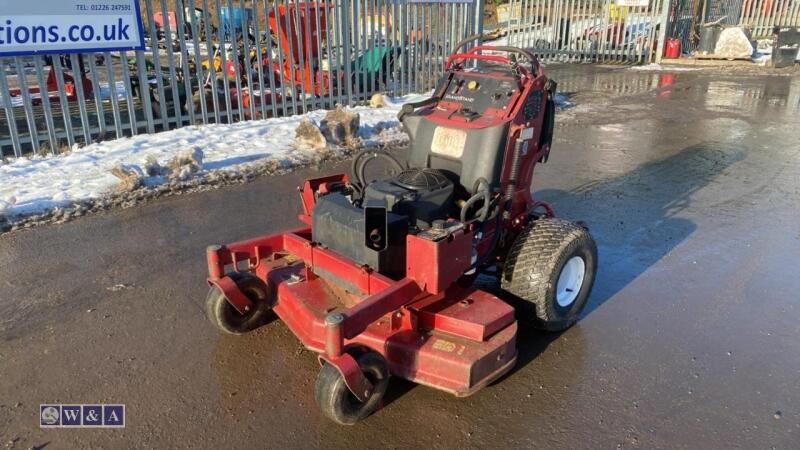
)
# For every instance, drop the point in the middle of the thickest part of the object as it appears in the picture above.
(379, 281)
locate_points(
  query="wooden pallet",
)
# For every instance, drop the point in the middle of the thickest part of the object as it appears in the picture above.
(725, 58)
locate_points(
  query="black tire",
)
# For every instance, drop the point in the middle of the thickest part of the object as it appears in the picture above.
(335, 399)
(535, 263)
(225, 317)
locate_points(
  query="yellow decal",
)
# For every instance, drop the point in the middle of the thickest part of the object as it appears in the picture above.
(445, 346)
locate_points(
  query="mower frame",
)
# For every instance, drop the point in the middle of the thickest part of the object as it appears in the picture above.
(429, 329)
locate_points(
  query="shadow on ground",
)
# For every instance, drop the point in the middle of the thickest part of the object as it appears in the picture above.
(635, 219)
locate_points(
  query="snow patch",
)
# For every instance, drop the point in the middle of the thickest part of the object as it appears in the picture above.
(41, 183)
(658, 67)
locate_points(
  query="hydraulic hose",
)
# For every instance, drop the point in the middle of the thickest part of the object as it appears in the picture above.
(484, 194)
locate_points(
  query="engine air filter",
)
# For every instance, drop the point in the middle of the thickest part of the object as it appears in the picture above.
(421, 179)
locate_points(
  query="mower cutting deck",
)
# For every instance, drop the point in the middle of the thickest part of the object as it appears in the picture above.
(379, 280)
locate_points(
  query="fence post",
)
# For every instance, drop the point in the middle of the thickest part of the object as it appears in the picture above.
(662, 32)
(479, 5)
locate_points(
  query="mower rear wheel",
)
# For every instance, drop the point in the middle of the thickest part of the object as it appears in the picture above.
(550, 271)
(335, 399)
(222, 314)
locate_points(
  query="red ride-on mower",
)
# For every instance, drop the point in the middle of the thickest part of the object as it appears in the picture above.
(379, 281)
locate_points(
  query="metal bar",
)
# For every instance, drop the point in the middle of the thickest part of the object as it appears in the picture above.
(223, 67)
(209, 83)
(744, 14)
(374, 82)
(198, 68)
(403, 48)
(112, 92)
(304, 56)
(356, 43)
(285, 64)
(259, 66)
(570, 35)
(662, 33)
(430, 47)
(630, 20)
(539, 34)
(560, 25)
(62, 100)
(566, 26)
(10, 115)
(578, 43)
(334, 48)
(382, 40)
(517, 38)
(126, 79)
(761, 17)
(793, 18)
(301, 57)
(647, 52)
(364, 49)
(144, 90)
(424, 38)
(180, 23)
(390, 29)
(162, 108)
(246, 60)
(48, 112)
(320, 73)
(22, 79)
(78, 76)
(416, 45)
(273, 82)
(346, 45)
(173, 74)
(770, 19)
(290, 58)
(604, 10)
(98, 100)
(308, 44)
(235, 58)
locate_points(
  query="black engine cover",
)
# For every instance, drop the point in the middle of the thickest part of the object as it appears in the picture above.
(422, 195)
(340, 226)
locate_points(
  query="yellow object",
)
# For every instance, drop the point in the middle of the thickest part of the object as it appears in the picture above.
(472, 85)
(217, 64)
(617, 13)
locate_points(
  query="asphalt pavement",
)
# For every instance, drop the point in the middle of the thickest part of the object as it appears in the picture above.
(689, 182)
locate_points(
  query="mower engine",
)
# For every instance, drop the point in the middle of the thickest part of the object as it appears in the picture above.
(371, 227)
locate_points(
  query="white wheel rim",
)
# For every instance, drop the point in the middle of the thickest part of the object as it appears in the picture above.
(570, 281)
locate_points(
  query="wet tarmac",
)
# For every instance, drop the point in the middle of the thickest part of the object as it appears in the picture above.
(689, 182)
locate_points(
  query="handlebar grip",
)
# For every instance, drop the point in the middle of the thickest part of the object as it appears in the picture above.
(409, 108)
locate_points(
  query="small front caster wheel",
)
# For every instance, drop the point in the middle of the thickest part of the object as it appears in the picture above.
(336, 400)
(225, 317)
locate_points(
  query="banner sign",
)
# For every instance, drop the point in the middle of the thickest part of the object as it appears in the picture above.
(632, 3)
(35, 27)
(440, 1)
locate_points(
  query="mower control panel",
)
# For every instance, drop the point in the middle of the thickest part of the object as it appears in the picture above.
(477, 92)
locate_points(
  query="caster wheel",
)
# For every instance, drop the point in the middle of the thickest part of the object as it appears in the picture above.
(225, 317)
(550, 271)
(335, 399)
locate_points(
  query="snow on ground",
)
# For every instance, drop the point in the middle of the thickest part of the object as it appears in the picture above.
(658, 67)
(29, 186)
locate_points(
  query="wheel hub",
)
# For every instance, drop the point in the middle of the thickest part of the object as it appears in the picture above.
(570, 281)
